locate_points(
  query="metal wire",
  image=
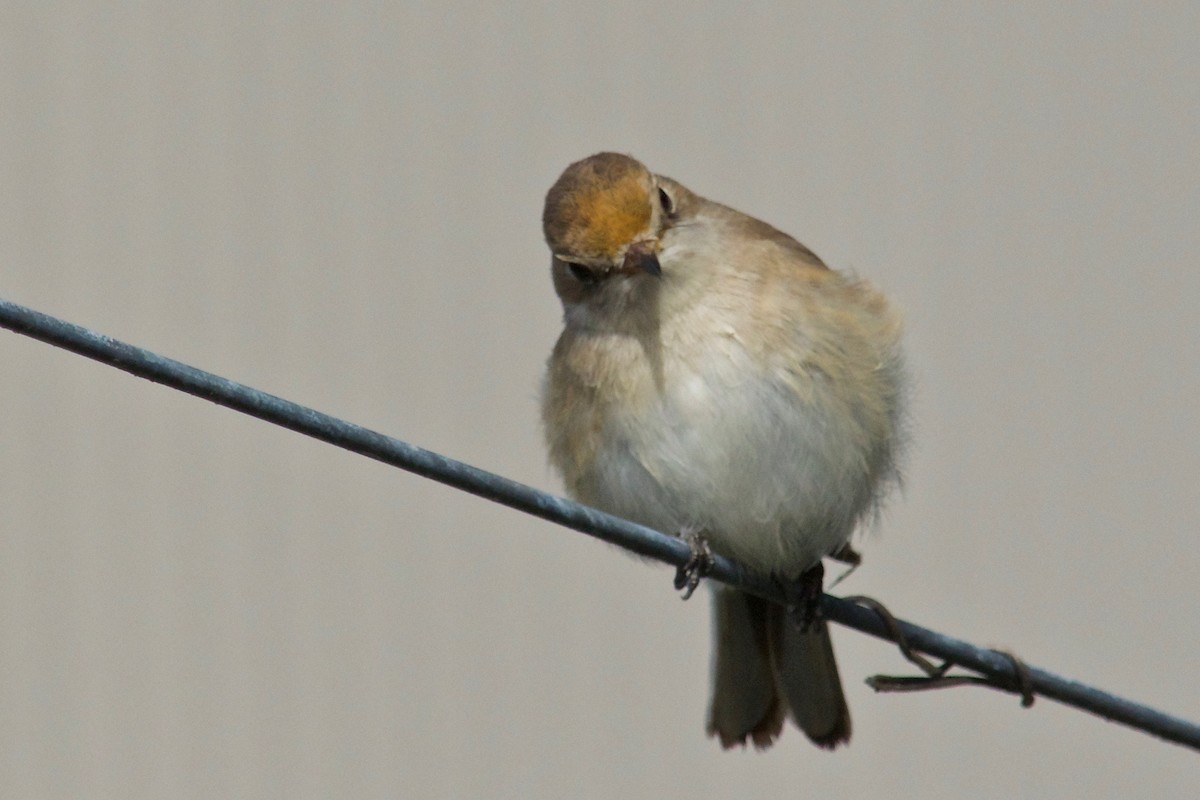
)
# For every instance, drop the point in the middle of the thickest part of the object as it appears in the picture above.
(998, 666)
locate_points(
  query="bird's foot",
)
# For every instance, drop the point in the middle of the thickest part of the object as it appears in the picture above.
(700, 561)
(805, 598)
(849, 556)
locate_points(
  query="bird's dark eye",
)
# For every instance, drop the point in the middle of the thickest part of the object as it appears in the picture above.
(582, 273)
(668, 205)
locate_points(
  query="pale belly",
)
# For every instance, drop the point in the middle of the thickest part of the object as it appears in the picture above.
(775, 481)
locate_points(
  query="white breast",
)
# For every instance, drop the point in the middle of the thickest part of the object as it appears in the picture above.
(774, 481)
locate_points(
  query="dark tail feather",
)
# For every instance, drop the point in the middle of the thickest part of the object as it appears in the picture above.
(809, 680)
(745, 700)
(763, 667)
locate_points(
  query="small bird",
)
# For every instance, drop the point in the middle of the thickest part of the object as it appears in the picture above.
(714, 378)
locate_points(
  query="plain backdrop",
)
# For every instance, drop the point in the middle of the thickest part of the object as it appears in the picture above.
(340, 204)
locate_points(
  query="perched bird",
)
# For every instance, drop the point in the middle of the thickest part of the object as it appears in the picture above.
(715, 377)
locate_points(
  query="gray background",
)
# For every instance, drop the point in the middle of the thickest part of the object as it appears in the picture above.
(341, 205)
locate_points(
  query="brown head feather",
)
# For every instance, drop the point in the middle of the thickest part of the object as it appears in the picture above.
(598, 206)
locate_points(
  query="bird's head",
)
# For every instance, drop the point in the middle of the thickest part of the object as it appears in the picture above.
(603, 219)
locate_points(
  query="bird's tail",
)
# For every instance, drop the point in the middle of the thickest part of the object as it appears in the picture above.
(765, 668)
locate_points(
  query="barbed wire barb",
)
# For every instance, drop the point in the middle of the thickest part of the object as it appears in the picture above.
(1000, 668)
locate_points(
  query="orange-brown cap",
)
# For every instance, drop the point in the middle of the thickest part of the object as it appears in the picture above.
(598, 206)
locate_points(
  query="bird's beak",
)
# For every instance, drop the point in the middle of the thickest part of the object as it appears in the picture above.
(643, 257)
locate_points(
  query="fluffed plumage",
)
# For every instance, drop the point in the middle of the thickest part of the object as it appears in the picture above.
(713, 373)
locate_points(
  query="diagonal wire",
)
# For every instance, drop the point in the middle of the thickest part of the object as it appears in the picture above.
(999, 667)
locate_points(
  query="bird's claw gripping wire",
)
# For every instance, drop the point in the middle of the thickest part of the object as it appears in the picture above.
(804, 598)
(849, 556)
(698, 565)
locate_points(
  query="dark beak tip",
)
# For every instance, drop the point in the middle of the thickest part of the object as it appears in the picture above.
(650, 265)
(640, 260)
